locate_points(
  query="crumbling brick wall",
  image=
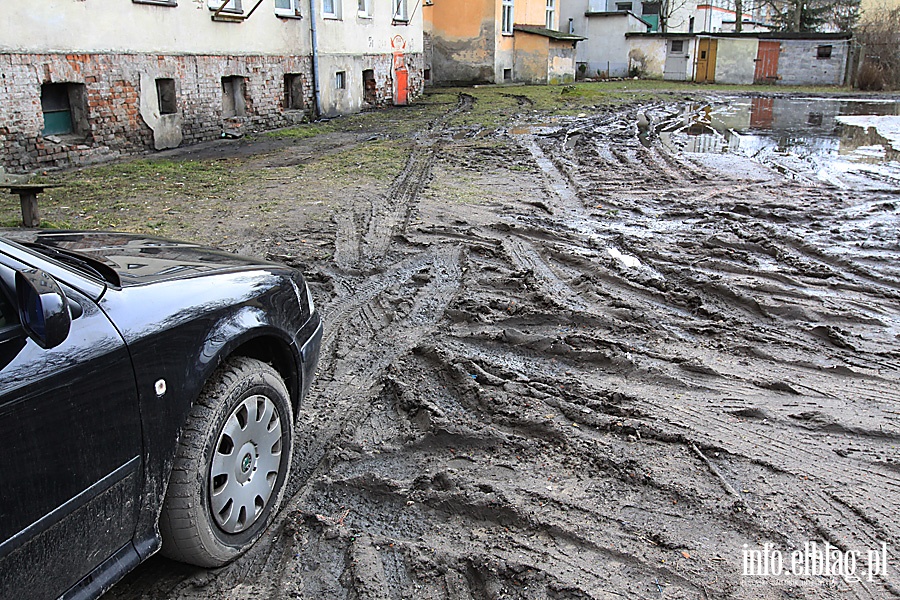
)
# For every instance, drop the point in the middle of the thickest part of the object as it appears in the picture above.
(115, 126)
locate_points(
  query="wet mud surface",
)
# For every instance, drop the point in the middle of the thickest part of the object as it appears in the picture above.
(576, 363)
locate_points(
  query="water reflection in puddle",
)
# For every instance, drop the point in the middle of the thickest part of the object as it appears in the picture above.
(826, 133)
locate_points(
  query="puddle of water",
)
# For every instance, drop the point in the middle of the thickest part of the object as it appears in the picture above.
(831, 136)
(629, 261)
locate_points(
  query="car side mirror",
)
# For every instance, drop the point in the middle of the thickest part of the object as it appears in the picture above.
(43, 308)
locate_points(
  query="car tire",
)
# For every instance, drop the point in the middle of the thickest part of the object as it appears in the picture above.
(230, 467)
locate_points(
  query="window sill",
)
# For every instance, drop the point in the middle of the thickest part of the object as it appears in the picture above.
(403, 22)
(331, 17)
(156, 2)
(287, 15)
(365, 16)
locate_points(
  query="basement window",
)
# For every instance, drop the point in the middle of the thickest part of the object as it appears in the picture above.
(370, 87)
(165, 93)
(293, 92)
(340, 80)
(507, 74)
(64, 106)
(234, 101)
(823, 52)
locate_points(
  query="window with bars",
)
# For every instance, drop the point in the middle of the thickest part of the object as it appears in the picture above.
(506, 17)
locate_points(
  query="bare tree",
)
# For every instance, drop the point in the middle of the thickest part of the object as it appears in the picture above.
(879, 39)
(814, 15)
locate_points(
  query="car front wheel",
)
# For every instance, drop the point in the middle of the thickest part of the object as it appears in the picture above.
(230, 467)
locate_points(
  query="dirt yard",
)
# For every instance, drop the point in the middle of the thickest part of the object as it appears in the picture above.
(562, 360)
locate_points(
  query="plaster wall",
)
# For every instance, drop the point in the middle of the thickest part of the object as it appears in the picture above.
(561, 63)
(533, 12)
(653, 53)
(63, 26)
(464, 44)
(736, 60)
(530, 58)
(351, 98)
(606, 49)
(357, 34)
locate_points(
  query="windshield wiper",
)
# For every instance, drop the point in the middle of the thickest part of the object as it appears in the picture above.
(86, 264)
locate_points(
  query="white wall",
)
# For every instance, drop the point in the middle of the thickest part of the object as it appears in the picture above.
(653, 49)
(354, 34)
(606, 48)
(353, 43)
(123, 26)
(735, 60)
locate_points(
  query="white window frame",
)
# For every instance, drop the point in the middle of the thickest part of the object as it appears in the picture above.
(551, 13)
(507, 17)
(364, 9)
(292, 10)
(400, 12)
(233, 6)
(335, 12)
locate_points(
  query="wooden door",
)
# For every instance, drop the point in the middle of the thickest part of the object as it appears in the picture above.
(767, 62)
(706, 60)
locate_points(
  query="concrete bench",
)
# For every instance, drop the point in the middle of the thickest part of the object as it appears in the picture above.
(28, 193)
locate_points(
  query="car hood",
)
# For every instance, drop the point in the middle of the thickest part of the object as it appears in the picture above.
(137, 259)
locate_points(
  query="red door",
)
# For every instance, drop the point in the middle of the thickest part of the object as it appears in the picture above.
(767, 62)
(401, 76)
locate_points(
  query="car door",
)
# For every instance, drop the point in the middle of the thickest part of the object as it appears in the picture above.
(70, 447)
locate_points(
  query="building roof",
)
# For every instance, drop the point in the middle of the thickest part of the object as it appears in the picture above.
(763, 35)
(554, 35)
(616, 13)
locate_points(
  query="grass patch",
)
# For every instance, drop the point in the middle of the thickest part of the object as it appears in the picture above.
(380, 160)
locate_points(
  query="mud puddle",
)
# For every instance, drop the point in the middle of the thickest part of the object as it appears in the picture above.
(844, 142)
(581, 364)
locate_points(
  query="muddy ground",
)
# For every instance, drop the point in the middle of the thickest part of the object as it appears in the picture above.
(568, 362)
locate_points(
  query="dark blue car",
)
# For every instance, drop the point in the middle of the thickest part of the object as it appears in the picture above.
(147, 398)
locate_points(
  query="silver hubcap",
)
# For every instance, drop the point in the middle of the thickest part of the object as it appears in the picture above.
(245, 464)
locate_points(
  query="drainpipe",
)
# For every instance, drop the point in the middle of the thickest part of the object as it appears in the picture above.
(317, 100)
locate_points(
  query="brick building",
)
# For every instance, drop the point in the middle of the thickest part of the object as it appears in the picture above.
(85, 81)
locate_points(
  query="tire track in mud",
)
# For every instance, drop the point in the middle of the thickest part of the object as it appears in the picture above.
(506, 409)
(362, 240)
(345, 383)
